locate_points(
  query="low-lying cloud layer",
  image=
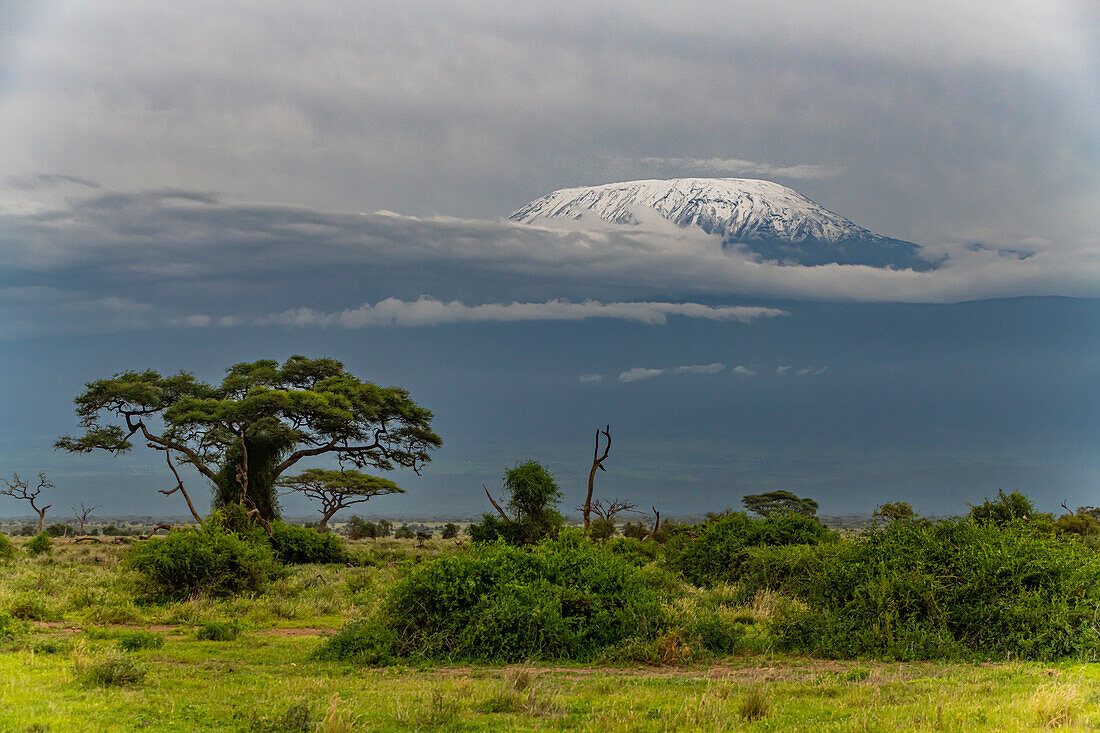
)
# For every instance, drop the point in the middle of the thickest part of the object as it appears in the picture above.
(300, 266)
(428, 311)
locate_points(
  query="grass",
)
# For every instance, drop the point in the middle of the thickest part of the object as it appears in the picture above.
(65, 670)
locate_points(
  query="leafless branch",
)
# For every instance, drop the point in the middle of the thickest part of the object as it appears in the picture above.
(597, 464)
(496, 506)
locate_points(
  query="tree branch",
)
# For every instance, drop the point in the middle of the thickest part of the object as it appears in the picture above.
(496, 506)
(597, 463)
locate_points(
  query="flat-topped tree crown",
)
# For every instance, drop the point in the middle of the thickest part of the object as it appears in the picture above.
(263, 418)
(338, 489)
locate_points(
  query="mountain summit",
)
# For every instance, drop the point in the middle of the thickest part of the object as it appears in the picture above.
(772, 221)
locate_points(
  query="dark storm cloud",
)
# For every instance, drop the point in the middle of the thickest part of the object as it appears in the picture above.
(942, 123)
(202, 261)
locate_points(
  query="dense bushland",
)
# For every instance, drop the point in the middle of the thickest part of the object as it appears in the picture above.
(950, 588)
(227, 555)
(564, 598)
(210, 560)
(716, 550)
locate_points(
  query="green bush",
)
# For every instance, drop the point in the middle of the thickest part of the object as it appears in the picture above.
(207, 560)
(366, 642)
(130, 641)
(7, 548)
(534, 500)
(560, 599)
(110, 671)
(40, 544)
(298, 545)
(218, 631)
(715, 551)
(10, 627)
(953, 588)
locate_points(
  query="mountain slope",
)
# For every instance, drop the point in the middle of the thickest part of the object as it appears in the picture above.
(772, 221)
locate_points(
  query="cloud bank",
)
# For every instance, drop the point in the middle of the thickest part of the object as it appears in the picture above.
(152, 256)
(428, 311)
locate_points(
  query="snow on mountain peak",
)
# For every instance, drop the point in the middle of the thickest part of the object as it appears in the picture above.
(770, 220)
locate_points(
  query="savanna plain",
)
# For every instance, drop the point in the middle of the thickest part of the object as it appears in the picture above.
(985, 622)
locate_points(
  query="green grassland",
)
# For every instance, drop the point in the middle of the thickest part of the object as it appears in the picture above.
(74, 659)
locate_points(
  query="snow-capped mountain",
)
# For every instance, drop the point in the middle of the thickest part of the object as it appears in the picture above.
(770, 220)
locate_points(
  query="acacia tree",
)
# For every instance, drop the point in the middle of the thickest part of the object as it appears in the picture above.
(338, 490)
(263, 418)
(778, 502)
(19, 488)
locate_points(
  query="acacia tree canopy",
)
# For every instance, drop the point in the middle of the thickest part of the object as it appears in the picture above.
(302, 408)
(779, 502)
(337, 490)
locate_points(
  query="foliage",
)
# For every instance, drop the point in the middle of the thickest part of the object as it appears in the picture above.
(10, 627)
(364, 641)
(601, 529)
(893, 511)
(635, 530)
(40, 544)
(533, 500)
(779, 502)
(295, 545)
(404, 532)
(1082, 524)
(450, 531)
(263, 413)
(110, 670)
(912, 590)
(1006, 508)
(338, 490)
(218, 631)
(201, 561)
(130, 641)
(7, 548)
(564, 598)
(716, 550)
(59, 529)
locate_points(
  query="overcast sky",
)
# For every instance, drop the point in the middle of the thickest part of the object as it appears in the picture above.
(329, 175)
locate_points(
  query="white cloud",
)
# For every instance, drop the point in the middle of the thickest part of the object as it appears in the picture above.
(738, 167)
(743, 371)
(633, 375)
(636, 373)
(700, 368)
(783, 369)
(428, 311)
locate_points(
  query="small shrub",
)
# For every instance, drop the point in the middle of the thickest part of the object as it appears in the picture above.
(208, 560)
(39, 545)
(28, 608)
(450, 531)
(297, 717)
(131, 641)
(714, 633)
(112, 670)
(59, 529)
(366, 642)
(218, 631)
(298, 545)
(7, 548)
(10, 627)
(635, 530)
(404, 532)
(601, 529)
(755, 705)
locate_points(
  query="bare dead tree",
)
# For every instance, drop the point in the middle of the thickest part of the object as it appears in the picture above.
(656, 525)
(614, 507)
(496, 506)
(597, 464)
(179, 482)
(18, 488)
(82, 515)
